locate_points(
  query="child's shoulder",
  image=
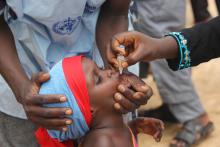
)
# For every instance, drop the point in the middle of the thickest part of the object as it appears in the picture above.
(97, 139)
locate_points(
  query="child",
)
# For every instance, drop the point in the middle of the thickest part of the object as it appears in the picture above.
(90, 92)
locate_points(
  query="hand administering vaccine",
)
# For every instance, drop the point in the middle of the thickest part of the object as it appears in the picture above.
(133, 47)
(136, 91)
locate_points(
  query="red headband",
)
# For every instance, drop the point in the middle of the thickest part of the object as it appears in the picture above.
(76, 81)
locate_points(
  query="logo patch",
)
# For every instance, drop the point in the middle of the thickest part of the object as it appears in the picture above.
(67, 26)
(89, 9)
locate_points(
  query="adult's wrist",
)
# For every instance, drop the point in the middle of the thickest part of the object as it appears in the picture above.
(183, 59)
(167, 48)
(23, 90)
(17, 80)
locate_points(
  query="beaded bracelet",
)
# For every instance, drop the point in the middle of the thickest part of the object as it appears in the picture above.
(184, 52)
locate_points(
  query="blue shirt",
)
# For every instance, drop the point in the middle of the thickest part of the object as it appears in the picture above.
(46, 31)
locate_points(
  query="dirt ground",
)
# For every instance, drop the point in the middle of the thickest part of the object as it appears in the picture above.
(206, 78)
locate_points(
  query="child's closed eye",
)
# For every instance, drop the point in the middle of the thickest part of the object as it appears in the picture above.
(99, 80)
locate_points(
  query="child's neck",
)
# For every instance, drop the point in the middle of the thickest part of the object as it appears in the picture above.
(107, 119)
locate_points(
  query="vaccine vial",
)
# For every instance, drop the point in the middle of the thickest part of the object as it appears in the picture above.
(120, 59)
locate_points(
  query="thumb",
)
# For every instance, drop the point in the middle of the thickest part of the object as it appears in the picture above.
(40, 78)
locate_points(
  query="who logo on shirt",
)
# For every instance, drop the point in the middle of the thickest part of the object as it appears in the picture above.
(67, 26)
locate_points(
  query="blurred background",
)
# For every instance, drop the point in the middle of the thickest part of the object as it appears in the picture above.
(206, 78)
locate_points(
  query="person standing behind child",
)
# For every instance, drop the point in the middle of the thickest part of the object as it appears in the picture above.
(200, 10)
(180, 99)
(34, 35)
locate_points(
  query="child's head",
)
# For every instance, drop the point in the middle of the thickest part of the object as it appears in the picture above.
(87, 89)
(101, 84)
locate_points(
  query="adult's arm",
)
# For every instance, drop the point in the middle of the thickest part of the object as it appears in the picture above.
(24, 89)
(203, 41)
(113, 19)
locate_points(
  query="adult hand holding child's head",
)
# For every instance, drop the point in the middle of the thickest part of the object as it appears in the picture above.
(50, 118)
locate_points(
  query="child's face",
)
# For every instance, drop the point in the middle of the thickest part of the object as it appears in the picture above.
(101, 84)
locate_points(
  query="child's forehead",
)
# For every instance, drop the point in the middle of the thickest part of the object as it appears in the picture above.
(88, 61)
(88, 64)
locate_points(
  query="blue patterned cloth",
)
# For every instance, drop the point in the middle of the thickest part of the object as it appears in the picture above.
(58, 85)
